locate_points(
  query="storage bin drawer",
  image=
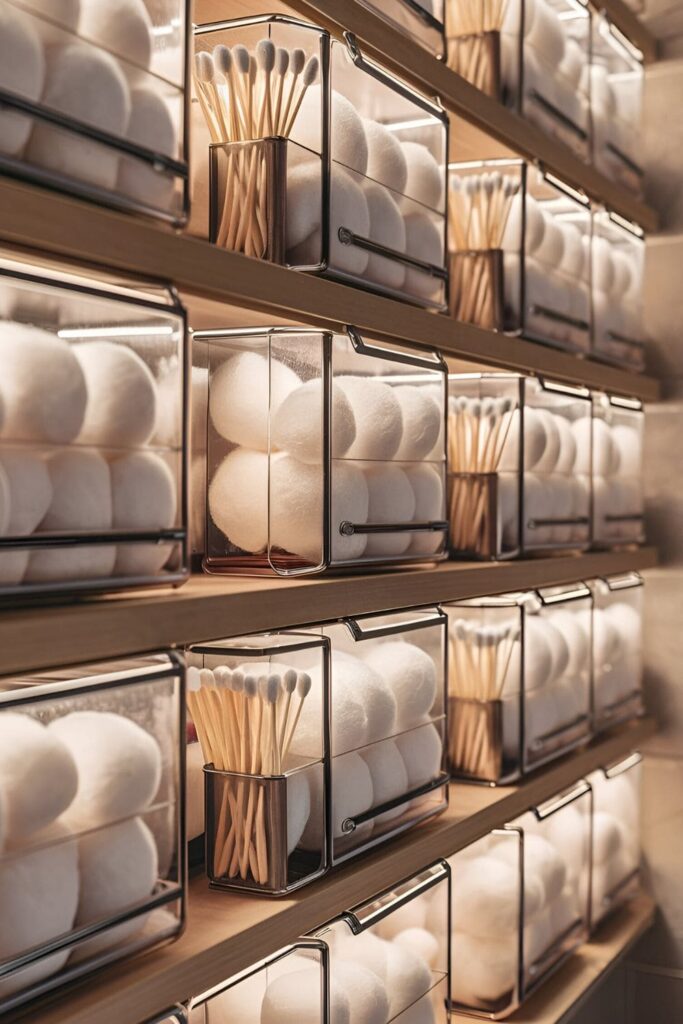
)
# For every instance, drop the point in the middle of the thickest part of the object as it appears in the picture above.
(617, 649)
(617, 80)
(618, 499)
(618, 268)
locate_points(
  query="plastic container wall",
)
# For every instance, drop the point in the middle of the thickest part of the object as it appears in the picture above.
(618, 499)
(616, 103)
(618, 258)
(617, 649)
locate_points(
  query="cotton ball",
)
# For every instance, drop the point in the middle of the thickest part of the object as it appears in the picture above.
(367, 996)
(427, 485)
(391, 500)
(387, 228)
(151, 125)
(422, 420)
(623, 273)
(629, 447)
(372, 690)
(538, 936)
(81, 492)
(296, 508)
(118, 867)
(551, 452)
(421, 942)
(412, 915)
(350, 503)
(551, 250)
(348, 210)
(122, 396)
(536, 437)
(28, 751)
(119, 766)
(567, 454)
(389, 777)
(238, 499)
(352, 794)
(405, 975)
(628, 621)
(42, 386)
(487, 901)
(603, 266)
(296, 997)
(424, 182)
(243, 392)
(542, 859)
(296, 425)
(39, 897)
(538, 653)
(144, 496)
(378, 417)
(576, 639)
(422, 753)
(606, 836)
(22, 71)
(86, 84)
(423, 242)
(530, 209)
(124, 28)
(29, 492)
(410, 674)
(304, 210)
(605, 452)
(347, 133)
(484, 968)
(558, 646)
(348, 715)
(572, 250)
(386, 157)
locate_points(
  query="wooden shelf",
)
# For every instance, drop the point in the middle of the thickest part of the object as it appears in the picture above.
(227, 932)
(209, 607)
(211, 278)
(559, 999)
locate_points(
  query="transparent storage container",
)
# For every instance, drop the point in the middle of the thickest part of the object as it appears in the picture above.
(616, 836)
(531, 55)
(92, 863)
(351, 720)
(520, 905)
(422, 20)
(618, 266)
(508, 499)
(385, 960)
(618, 499)
(519, 688)
(328, 165)
(92, 449)
(333, 449)
(616, 84)
(520, 252)
(617, 649)
(94, 101)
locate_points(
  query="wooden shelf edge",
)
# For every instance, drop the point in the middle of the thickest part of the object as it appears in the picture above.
(35, 219)
(228, 932)
(210, 607)
(398, 51)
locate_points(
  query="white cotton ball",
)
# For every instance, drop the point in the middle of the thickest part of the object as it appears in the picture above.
(296, 508)
(628, 621)
(151, 125)
(304, 209)
(391, 500)
(144, 497)
(389, 776)
(348, 209)
(88, 85)
(297, 427)
(559, 647)
(29, 489)
(572, 249)
(427, 484)
(119, 766)
(29, 751)
(42, 386)
(628, 443)
(81, 492)
(424, 242)
(410, 674)
(373, 692)
(238, 499)
(606, 836)
(124, 28)
(551, 451)
(425, 180)
(535, 437)
(298, 808)
(347, 133)
(551, 250)
(425, 944)
(350, 503)
(411, 915)
(534, 225)
(22, 71)
(387, 228)
(542, 859)
(406, 976)
(422, 420)
(605, 453)
(122, 395)
(378, 417)
(576, 639)
(623, 273)
(538, 653)
(296, 997)
(352, 794)
(239, 397)
(483, 968)
(39, 897)
(422, 753)
(603, 265)
(538, 936)
(386, 157)
(367, 996)
(487, 900)
(567, 454)
(347, 714)
(118, 868)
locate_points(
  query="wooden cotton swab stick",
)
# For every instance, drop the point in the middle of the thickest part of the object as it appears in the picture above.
(303, 688)
(308, 77)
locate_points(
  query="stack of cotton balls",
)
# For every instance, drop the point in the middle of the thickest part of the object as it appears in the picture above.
(74, 72)
(383, 741)
(259, 404)
(75, 849)
(74, 421)
(617, 655)
(616, 101)
(617, 293)
(616, 837)
(486, 904)
(617, 481)
(556, 263)
(381, 188)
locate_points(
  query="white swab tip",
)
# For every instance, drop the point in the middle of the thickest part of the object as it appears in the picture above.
(222, 58)
(192, 678)
(240, 55)
(298, 61)
(289, 680)
(311, 71)
(265, 54)
(304, 684)
(206, 677)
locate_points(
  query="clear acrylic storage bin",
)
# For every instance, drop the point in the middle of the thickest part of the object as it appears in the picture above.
(295, 803)
(618, 267)
(92, 448)
(385, 960)
(508, 499)
(616, 836)
(322, 451)
(531, 55)
(616, 83)
(94, 101)
(519, 244)
(92, 859)
(327, 163)
(422, 20)
(617, 649)
(519, 689)
(520, 905)
(618, 499)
